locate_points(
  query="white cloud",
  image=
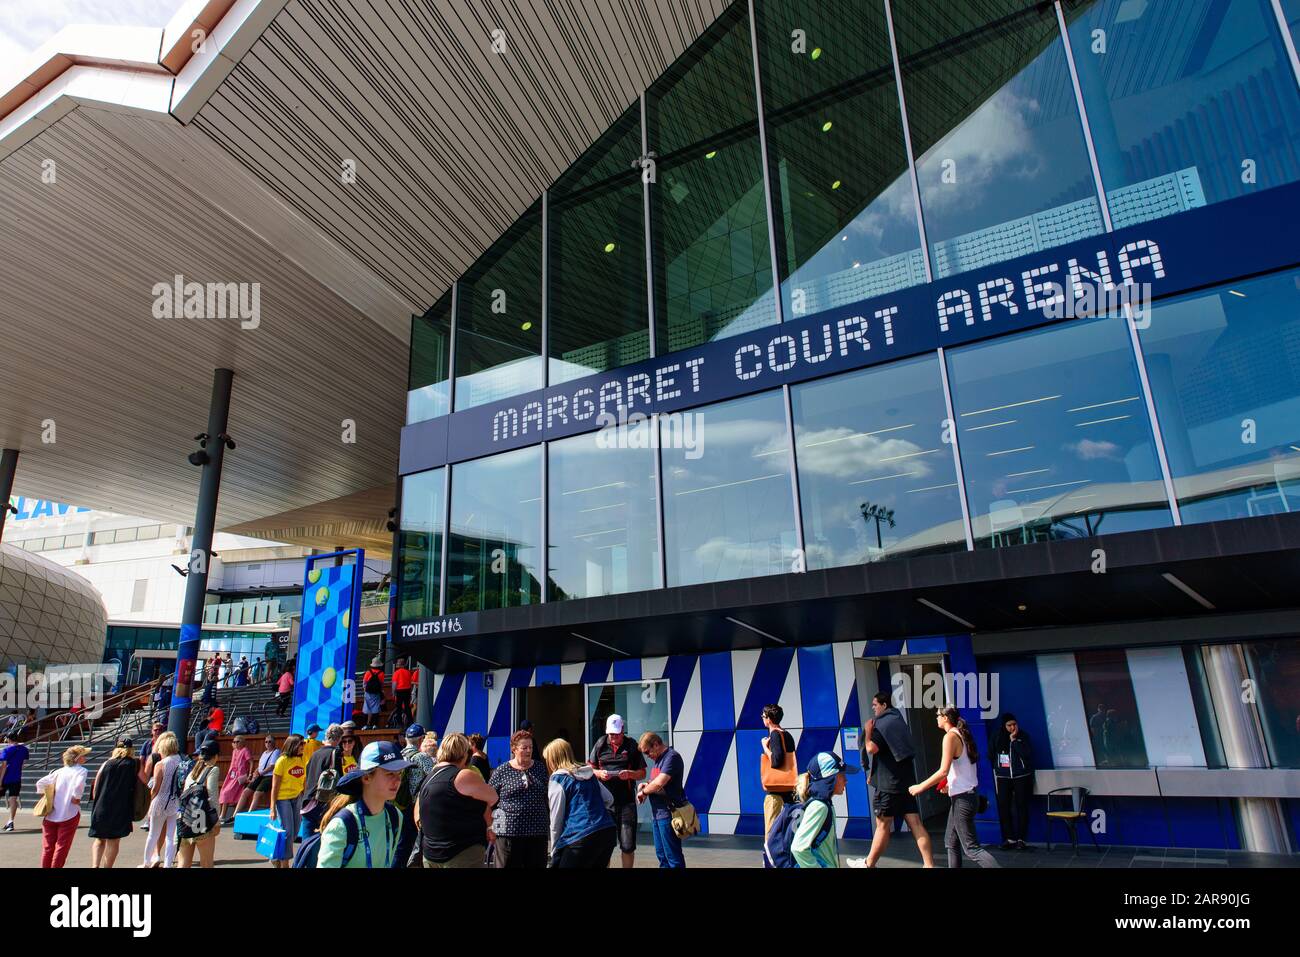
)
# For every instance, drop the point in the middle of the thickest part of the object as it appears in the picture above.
(841, 454)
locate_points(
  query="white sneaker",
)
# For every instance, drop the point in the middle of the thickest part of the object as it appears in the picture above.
(855, 862)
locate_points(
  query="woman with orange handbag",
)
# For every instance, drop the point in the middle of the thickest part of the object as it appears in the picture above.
(776, 766)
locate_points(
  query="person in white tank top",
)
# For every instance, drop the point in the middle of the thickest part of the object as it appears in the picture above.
(958, 770)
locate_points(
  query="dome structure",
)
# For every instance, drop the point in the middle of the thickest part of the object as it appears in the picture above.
(49, 615)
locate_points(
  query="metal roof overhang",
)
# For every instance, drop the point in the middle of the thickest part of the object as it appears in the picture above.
(1223, 568)
(130, 157)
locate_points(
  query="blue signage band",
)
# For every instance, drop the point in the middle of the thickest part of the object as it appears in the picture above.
(1155, 260)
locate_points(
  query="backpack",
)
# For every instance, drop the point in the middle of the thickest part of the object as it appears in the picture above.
(197, 816)
(407, 790)
(374, 682)
(309, 851)
(776, 849)
(183, 768)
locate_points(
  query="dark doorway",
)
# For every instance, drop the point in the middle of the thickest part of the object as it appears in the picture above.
(556, 711)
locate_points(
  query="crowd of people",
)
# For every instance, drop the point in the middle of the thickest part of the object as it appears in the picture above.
(440, 804)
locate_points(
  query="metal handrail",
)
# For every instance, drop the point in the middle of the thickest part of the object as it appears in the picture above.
(82, 722)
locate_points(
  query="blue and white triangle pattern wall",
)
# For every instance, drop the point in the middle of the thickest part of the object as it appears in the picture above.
(716, 724)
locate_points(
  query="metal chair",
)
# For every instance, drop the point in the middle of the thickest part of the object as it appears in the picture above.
(1070, 818)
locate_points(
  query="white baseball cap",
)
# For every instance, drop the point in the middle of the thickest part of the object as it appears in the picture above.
(614, 724)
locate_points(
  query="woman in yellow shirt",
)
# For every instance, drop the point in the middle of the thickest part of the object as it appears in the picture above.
(287, 780)
(348, 748)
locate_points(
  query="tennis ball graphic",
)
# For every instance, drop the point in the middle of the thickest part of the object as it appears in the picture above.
(346, 619)
(327, 679)
(322, 596)
(313, 576)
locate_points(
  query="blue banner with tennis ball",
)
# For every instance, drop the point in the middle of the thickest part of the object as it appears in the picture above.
(324, 684)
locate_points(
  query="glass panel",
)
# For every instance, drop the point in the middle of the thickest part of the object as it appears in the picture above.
(643, 706)
(713, 264)
(420, 543)
(499, 317)
(728, 510)
(1275, 666)
(1203, 699)
(1058, 677)
(496, 522)
(1164, 702)
(876, 478)
(604, 534)
(1054, 436)
(101, 538)
(1113, 723)
(428, 389)
(147, 534)
(1000, 156)
(844, 208)
(1180, 97)
(598, 314)
(124, 535)
(1224, 367)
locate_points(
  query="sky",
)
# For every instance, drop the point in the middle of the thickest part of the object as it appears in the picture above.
(26, 24)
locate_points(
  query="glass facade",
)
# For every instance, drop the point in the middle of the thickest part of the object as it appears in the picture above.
(428, 388)
(876, 477)
(1000, 157)
(1224, 367)
(603, 537)
(597, 307)
(420, 543)
(494, 558)
(844, 210)
(728, 511)
(1052, 426)
(1054, 436)
(713, 264)
(1216, 115)
(499, 318)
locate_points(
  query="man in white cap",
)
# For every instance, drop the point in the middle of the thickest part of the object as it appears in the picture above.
(619, 763)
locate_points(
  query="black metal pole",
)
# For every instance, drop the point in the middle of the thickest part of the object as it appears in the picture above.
(8, 466)
(196, 582)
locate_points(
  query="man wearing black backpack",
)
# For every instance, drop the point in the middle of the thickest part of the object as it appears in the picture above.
(372, 684)
(317, 793)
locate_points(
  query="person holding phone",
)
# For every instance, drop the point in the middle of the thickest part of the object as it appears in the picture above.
(619, 764)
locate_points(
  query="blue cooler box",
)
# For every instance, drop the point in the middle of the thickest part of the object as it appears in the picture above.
(248, 824)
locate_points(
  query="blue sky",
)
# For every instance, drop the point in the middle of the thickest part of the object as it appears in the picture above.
(26, 24)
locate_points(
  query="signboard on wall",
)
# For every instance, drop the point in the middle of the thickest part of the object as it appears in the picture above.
(1097, 275)
(324, 681)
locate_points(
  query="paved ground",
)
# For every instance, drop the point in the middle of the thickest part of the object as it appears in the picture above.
(23, 849)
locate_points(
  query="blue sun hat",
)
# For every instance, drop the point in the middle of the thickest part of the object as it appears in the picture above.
(822, 772)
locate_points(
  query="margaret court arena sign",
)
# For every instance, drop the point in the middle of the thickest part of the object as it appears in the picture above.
(1085, 278)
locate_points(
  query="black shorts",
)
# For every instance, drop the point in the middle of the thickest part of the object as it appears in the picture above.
(625, 818)
(893, 804)
(262, 785)
(11, 790)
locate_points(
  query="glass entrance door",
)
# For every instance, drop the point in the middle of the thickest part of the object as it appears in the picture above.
(917, 685)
